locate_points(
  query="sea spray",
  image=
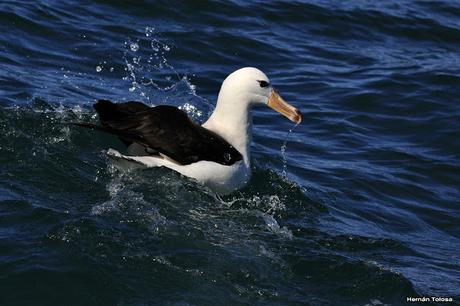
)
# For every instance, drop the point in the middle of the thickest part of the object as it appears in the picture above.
(283, 151)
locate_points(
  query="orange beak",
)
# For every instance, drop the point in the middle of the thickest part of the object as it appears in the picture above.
(277, 103)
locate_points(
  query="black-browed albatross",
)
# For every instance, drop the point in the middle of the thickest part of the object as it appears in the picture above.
(217, 153)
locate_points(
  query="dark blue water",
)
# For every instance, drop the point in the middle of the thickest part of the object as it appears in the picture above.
(363, 208)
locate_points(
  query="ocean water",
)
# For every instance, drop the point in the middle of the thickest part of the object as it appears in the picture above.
(358, 206)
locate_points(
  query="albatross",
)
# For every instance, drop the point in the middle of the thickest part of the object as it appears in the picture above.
(216, 154)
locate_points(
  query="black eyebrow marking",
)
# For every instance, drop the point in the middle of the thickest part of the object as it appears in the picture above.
(263, 83)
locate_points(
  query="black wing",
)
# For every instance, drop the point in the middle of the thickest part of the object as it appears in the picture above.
(165, 129)
(110, 111)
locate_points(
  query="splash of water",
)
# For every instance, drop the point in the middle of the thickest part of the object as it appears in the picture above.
(144, 58)
(283, 151)
(139, 68)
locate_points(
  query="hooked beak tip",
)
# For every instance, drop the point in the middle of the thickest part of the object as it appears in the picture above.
(297, 117)
(278, 104)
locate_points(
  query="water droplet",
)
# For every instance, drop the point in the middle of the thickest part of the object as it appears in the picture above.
(283, 152)
(98, 68)
(227, 157)
(134, 47)
(166, 48)
(149, 31)
(154, 46)
(133, 87)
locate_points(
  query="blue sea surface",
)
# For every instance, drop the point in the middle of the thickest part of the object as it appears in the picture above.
(360, 207)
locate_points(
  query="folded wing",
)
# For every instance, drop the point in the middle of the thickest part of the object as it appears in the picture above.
(164, 129)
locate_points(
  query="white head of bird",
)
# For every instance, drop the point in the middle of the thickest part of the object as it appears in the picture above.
(247, 87)
(239, 92)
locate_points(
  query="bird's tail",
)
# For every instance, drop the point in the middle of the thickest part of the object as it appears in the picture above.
(92, 126)
(107, 110)
(111, 115)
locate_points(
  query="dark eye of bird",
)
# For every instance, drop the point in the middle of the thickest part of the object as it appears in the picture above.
(263, 83)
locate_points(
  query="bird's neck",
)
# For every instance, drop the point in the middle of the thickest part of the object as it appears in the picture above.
(234, 124)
